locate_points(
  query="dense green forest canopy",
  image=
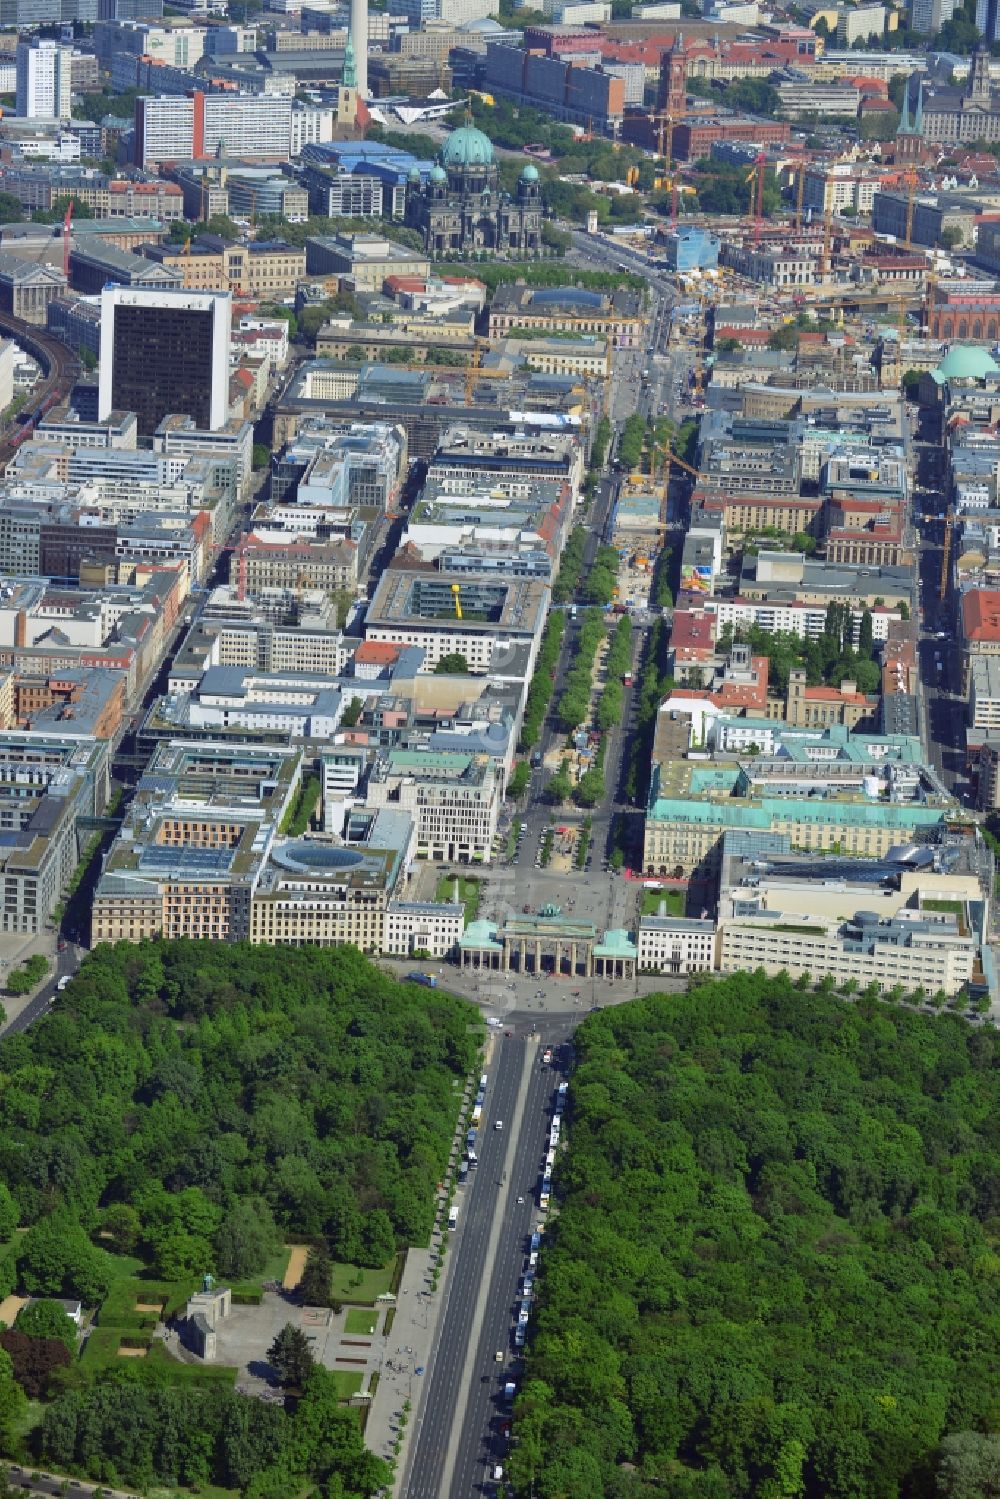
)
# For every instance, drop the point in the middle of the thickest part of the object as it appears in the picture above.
(775, 1268)
(132, 1428)
(180, 1093)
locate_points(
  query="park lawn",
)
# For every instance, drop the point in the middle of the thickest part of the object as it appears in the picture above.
(132, 1282)
(201, 1491)
(360, 1322)
(674, 901)
(362, 1286)
(100, 1352)
(27, 1419)
(274, 1269)
(196, 1374)
(347, 1382)
(468, 893)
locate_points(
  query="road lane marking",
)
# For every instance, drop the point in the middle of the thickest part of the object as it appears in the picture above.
(486, 1283)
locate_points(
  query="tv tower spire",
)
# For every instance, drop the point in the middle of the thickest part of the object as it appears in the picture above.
(359, 42)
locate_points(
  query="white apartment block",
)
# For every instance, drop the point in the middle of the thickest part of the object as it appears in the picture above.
(940, 958)
(309, 126)
(418, 928)
(164, 130)
(182, 128)
(771, 267)
(44, 80)
(249, 124)
(805, 620)
(839, 187)
(984, 694)
(673, 944)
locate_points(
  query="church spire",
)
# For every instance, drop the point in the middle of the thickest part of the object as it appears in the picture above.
(904, 118)
(979, 76)
(349, 75)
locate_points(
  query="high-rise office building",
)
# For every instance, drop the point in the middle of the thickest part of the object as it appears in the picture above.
(928, 16)
(190, 128)
(22, 13)
(165, 352)
(44, 80)
(988, 20)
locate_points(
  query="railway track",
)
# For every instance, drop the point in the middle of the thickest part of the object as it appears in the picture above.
(60, 366)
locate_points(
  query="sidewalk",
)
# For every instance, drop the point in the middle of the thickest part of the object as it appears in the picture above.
(15, 949)
(403, 1352)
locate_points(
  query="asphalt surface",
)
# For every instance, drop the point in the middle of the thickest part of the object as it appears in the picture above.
(35, 1482)
(67, 962)
(482, 1442)
(940, 654)
(510, 1165)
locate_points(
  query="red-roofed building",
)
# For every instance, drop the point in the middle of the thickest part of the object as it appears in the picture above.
(376, 658)
(395, 284)
(692, 657)
(958, 311)
(980, 627)
(869, 88)
(735, 684)
(748, 338)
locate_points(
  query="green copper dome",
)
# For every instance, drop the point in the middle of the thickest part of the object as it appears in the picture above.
(967, 362)
(530, 173)
(438, 174)
(467, 147)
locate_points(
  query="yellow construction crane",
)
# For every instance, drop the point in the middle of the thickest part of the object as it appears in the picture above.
(700, 347)
(898, 299)
(824, 262)
(800, 195)
(456, 589)
(474, 373)
(670, 457)
(949, 521)
(911, 191)
(665, 136)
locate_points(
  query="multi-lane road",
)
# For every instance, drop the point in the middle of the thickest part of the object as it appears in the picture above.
(458, 1436)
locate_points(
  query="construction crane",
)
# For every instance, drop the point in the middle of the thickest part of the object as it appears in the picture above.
(456, 589)
(667, 152)
(911, 180)
(476, 372)
(67, 226)
(898, 299)
(824, 260)
(699, 348)
(949, 521)
(671, 458)
(756, 180)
